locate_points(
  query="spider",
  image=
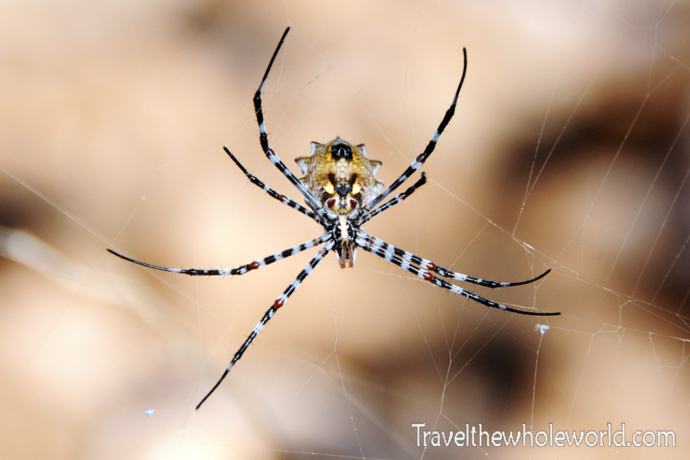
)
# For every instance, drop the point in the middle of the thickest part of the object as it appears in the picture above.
(342, 193)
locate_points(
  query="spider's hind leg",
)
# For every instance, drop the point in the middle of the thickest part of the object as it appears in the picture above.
(263, 137)
(422, 157)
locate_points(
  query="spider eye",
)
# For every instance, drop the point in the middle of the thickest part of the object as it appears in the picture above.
(339, 151)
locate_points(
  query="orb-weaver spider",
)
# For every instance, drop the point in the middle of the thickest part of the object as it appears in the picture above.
(342, 193)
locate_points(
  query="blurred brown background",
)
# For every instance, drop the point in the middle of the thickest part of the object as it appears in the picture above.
(569, 150)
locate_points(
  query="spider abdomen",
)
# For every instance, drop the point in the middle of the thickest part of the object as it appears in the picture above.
(340, 176)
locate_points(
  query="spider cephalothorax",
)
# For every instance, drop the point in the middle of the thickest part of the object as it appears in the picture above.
(342, 194)
(340, 176)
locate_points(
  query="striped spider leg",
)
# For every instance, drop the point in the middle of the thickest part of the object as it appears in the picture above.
(422, 157)
(255, 265)
(393, 201)
(263, 137)
(282, 198)
(342, 193)
(413, 263)
(429, 265)
(280, 301)
(242, 269)
(422, 268)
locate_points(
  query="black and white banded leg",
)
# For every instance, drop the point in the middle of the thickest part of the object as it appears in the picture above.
(255, 265)
(421, 158)
(263, 137)
(282, 198)
(426, 275)
(280, 301)
(429, 265)
(393, 201)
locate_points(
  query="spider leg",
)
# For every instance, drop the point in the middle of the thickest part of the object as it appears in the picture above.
(280, 301)
(393, 201)
(260, 263)
(421, 158)
(282, 198)
(270, 154)
(429, 265)
(425, 275)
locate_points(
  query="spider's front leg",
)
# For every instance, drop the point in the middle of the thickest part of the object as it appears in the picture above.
(241, 270)
(429, 265)
(279, 302)
(414, 267)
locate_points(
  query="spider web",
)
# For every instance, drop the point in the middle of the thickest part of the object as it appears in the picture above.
(568, 151)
